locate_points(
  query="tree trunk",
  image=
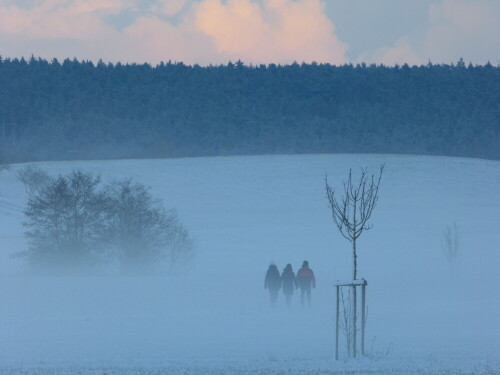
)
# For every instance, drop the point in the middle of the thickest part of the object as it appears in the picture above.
(363, 318)
(337, 327)
(354, 312)
(354, 299)
(354, 260)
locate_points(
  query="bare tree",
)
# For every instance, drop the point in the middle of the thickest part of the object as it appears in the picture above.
(351, 210)
(33, 178)
(450, 243)
(141, 232)
(63, 222)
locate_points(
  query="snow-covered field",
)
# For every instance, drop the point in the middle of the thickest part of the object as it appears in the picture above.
(424, 317)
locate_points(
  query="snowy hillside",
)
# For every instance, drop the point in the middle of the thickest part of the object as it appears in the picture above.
(424, 316)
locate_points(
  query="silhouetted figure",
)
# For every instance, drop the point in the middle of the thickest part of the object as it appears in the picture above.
(305, 280)
(288, 282)
(273, 283)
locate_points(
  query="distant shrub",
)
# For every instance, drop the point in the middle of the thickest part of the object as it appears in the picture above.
(141, 232)
(64, 221)
(33, 178)
(74, 223)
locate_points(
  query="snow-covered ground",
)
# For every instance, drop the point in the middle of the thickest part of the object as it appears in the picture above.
(424, 317)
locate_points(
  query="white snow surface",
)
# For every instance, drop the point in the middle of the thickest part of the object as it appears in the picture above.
(424, 316)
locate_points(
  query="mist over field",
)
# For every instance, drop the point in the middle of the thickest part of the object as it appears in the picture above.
(245, 212)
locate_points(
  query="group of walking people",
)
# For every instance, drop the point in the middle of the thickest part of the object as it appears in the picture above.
(304, 280)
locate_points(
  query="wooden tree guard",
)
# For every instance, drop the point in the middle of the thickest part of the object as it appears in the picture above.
(352, 284)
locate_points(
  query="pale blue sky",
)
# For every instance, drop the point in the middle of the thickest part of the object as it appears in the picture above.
(371, 24)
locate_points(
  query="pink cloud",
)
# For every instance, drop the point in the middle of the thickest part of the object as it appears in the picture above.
(54, 19)
(210, 31)
(277, 30)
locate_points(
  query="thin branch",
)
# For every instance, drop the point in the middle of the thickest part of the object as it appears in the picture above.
(352, 209)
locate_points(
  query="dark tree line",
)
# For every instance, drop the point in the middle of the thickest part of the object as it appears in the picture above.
(78, 109)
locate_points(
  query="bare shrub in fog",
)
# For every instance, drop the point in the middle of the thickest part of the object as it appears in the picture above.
(450, 243)
(33, 178)
(3, 164)
(380, 351)
(181, 249)
(345, 321)
(141, 232)
(64, 221)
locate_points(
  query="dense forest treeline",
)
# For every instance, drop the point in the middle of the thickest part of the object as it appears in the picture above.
(79, 110)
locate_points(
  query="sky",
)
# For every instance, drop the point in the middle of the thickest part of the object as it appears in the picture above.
(254, 31)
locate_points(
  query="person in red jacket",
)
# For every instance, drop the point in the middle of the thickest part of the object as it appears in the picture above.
(305, 280)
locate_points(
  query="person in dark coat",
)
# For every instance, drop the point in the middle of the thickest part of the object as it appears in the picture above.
(305, 280)
(273, 283)
(288, 282)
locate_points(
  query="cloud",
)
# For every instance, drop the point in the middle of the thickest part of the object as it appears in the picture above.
(56, 19)
(208, 31)
(456, 29)
(168, 7)
(277, 30)
(151, 39)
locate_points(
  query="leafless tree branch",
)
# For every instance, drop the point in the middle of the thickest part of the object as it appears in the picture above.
(33, 178)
